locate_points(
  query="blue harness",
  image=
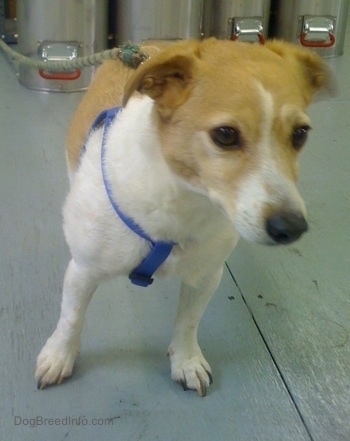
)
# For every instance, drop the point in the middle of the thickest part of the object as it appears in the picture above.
(142, 274)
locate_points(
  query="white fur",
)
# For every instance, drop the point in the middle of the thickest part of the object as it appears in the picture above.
(146, 189)
(266, 185)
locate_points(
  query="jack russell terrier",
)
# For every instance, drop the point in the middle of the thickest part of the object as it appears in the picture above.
(202, 150)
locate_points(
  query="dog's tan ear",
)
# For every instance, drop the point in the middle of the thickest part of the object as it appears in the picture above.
(312, 72)
(167, 77)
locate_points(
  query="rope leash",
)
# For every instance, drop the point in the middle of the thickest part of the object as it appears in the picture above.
(130, 54)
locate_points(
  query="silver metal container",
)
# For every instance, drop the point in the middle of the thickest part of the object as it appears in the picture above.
(60, 30)
(317, 24)
(141, 20)
(244, 20)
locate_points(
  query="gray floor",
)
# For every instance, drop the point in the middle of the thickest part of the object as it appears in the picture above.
(276, 333)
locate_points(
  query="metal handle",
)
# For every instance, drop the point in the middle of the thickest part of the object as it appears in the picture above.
(317, 26)
(60, 75)
(59, 51)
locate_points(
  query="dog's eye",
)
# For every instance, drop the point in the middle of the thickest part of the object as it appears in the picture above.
(226, 137)
(299, 136)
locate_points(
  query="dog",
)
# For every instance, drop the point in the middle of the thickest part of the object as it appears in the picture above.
(202, 150)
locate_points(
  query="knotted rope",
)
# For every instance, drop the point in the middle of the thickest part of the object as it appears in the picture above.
(130, 54)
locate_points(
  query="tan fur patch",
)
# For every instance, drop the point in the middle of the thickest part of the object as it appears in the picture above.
(194, 85)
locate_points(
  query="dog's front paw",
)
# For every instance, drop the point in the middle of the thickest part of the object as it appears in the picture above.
(192, 372)
(55, 361)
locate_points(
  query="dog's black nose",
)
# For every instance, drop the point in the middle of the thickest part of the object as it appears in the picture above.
(285, 228)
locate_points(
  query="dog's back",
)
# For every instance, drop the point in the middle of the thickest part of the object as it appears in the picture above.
(105, 92)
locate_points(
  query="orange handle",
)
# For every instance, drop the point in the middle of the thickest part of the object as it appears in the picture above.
(260, 37)
(310, 43)
(60, 75)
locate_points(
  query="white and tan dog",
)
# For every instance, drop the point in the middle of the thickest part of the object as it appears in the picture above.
(206, 153)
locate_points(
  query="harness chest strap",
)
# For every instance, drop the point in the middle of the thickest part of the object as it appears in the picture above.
(142, 274)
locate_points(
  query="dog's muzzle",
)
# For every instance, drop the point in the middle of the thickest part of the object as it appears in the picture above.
(285, 228)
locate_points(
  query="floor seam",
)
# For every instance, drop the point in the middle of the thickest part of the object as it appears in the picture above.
(274, 361)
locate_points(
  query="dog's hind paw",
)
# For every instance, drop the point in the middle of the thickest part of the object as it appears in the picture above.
(55, 362)
(192, 373)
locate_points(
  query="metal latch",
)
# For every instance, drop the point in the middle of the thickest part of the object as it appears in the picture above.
(246, 29)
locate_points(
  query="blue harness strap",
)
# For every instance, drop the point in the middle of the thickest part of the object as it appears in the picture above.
(142, 274)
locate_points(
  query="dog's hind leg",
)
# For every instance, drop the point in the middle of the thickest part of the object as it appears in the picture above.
(188, 365)
(56, 359)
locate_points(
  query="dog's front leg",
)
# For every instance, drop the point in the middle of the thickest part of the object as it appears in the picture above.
(56, 359)
(188, 365)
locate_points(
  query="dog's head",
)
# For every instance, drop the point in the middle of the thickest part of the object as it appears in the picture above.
(232, 123)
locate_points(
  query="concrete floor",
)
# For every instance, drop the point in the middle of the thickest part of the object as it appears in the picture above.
(276, 333)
